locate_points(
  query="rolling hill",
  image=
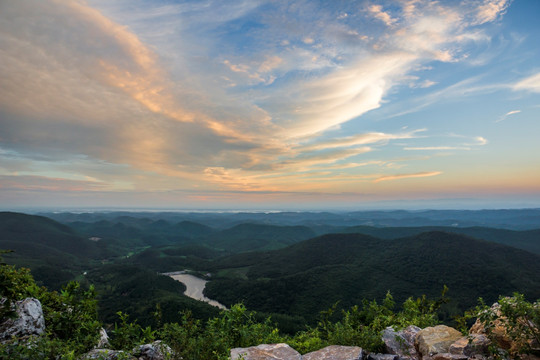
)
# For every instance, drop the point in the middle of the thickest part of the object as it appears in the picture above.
(310, 276)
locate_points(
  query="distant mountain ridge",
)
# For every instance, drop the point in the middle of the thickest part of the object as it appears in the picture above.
(514, 219)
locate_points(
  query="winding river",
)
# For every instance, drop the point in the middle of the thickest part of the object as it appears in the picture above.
(195, 287)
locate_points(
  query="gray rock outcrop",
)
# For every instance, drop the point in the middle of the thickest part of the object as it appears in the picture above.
(382, 357)
(105, 354)
(154, 351)
(28, 320)
(336, 352)
(103, 339)
(266, 352)
(401, 343)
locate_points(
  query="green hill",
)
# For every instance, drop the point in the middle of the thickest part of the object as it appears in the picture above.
(136, 291)
(526, 239)
(250, 237)
(174, 257)
(52, 250)
(133, 232)
(310, 276)
(37, 237)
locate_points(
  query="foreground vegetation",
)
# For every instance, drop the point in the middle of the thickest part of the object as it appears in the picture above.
(71, 317)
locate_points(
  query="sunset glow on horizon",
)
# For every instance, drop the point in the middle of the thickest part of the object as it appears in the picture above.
(269, 104)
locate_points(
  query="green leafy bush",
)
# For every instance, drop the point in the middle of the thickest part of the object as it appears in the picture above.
(238, 327)
(70, 317)
(362, 326)
(127, 335)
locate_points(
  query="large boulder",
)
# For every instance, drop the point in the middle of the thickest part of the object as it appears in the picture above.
(103, 341)
(106, 354)
(382, 357)
(266, 352)
(335, 352)
(435, 340)
(497, 329)
(154, 351)
(401, 342)
(448, 356)
(28, 320)
(469, 346)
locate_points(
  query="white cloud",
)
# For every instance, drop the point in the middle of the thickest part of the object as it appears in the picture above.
(531, 83)
(360, 139)
(378, 12)
(513, 112)
(437, 148)
(490, 10)
(407, 176)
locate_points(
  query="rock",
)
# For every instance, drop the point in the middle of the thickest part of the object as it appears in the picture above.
(382, 357)
(105, 354)
(266, 352)
(29, 320)
(498, 331)
(435, 340)
(336, 352)
(103, 339)
(154, 351)
(501, 338)
(448, 356)
(401, 342)
(475, 344)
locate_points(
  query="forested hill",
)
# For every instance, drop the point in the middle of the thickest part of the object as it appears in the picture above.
(39, 240)
(527, 239)
(312, 275)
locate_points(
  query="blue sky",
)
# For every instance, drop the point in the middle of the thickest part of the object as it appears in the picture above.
(270, 104)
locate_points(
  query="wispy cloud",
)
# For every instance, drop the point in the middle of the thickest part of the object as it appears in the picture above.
(360, 139)
(513, 112)
(531, 83)
(378, 12)
(437, 148)
(490, 10)
(407, 176)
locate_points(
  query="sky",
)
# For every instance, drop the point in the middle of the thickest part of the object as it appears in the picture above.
(255, 104)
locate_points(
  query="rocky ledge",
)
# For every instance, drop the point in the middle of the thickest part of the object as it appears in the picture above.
(412, 343)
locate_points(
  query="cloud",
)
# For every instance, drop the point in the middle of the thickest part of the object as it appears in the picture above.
(436, 148)
(426, 84)
(480, 141)
(360, 139)
(531, 83)
(378, 13)
(505, 116)
(490, 10)
(407, 176)
(477, 141)
(40, 183)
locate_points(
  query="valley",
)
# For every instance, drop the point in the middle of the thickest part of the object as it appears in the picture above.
(290, 266)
